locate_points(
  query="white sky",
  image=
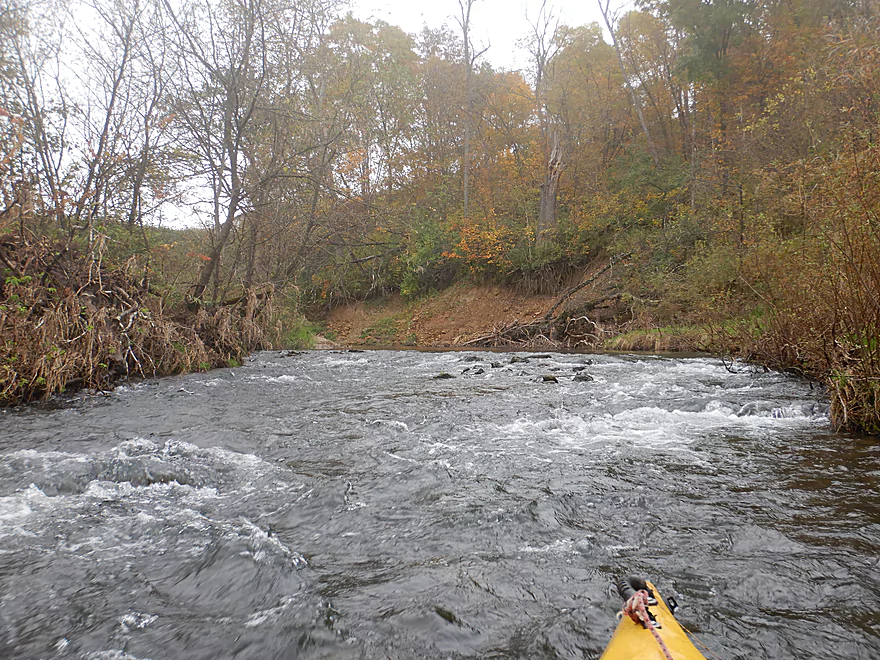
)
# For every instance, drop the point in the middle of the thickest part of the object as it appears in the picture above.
(498, 24)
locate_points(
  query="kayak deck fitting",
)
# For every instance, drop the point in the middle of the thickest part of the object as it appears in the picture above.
(647, 629)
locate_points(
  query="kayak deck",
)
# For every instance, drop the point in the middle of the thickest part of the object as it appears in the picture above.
(635, 641)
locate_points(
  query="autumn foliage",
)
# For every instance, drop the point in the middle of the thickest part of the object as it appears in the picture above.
(730, 147)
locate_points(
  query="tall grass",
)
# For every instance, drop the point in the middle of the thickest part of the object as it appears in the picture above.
(819, 291)
(69, 323)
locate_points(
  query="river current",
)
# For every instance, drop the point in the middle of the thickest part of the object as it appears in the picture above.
(351, 505)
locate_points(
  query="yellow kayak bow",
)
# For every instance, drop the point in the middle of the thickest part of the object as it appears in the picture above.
(647, 628)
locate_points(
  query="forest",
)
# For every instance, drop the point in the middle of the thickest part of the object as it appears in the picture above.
(727, 150)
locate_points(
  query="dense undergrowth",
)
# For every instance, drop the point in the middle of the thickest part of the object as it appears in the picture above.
(69, 322)
(817, 293)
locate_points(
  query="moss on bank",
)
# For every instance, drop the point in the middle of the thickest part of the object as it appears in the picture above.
(671, 339)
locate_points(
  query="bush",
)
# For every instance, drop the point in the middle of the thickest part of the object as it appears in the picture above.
(820, 291)
(69, 324)
(292, 330)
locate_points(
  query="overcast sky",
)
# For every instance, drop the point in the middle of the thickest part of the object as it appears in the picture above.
(495, 23)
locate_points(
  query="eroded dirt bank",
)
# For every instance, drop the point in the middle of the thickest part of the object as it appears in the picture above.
(472, 315)
(450, 318)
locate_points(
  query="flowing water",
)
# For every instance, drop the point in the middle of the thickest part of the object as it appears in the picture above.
(350, 505)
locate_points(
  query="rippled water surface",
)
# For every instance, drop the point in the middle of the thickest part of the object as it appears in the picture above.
(350, 505)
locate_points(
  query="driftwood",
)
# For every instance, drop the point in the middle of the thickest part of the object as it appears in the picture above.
(573, 290)
(513, 334)
(572, 327)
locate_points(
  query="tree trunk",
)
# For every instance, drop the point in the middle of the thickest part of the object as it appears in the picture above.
(549, 190)
(636, 103)
(466, 159)
(209, 267)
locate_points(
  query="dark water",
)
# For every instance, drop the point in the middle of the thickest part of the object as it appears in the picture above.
(347, 505)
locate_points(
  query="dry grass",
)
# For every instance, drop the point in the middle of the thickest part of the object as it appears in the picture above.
(819, 292)
(66, 323)
(685, 339)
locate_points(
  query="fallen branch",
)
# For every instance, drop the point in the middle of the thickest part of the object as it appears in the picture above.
(507, 335)
(494, 336)
(568, 294)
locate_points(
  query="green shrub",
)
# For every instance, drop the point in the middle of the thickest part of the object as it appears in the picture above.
(299, 334)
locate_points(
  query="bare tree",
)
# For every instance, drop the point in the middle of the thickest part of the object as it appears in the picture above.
(610, 19)
(470, 58)
(106, 106)
(146, 146)
(543, 46)
(311, 136)
(31, 40)
(223, 51)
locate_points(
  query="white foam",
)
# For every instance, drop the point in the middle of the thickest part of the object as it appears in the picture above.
(558, 547)
(285, 378)
(112, 491)
(46, 456)
(108, 491)
(110, 655)
(345, 362)
(262, 545)
(136, 621)
(563, 426)
(435, 446)
(401, 458)
(393, 423)
(618, 550)
(270, 615)
(648, 426)
(17, 507)
(135, 447)
(13, 508)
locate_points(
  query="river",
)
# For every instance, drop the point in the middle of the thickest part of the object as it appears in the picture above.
(352, 505)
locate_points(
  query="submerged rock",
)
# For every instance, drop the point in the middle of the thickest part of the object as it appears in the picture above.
(443, 376)
(582, 378)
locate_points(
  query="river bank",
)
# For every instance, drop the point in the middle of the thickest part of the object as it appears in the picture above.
(70, 322)
(470, 315)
